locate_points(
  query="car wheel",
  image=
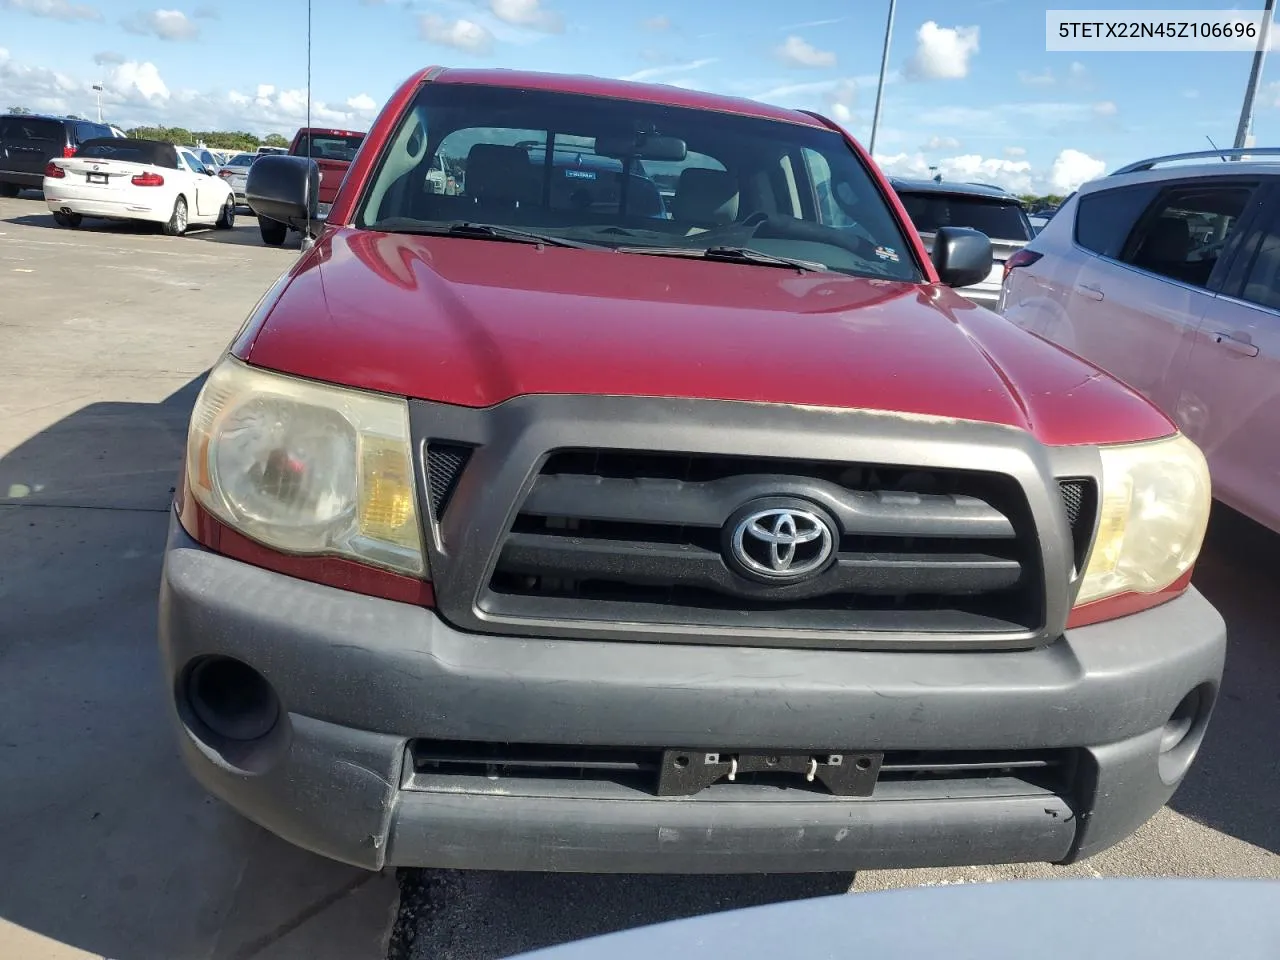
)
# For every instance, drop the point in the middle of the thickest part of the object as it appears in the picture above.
(72, 220)
(273, 231)
(9, 190)
(227, 219)
(176, 225)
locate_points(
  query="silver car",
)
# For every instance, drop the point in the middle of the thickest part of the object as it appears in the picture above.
(236, 171)
(932, 204)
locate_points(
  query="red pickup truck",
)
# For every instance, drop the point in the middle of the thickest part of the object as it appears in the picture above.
(332, 151)
(555, 524)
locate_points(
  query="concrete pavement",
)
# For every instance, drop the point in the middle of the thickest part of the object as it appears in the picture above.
(108, 847)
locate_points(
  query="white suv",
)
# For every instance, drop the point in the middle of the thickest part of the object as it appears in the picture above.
(1168, 277)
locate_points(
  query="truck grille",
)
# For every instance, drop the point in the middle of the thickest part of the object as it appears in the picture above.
(641, 537)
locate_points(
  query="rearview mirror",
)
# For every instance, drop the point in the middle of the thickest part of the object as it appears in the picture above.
(642, 146)
(962, 256)
(283, 188)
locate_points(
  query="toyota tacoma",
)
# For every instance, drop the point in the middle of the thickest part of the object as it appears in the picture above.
(521, 528)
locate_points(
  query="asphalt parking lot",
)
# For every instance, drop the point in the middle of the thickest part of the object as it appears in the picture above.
(108, 849)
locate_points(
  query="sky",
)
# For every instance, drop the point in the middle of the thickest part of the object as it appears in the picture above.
(970, 88)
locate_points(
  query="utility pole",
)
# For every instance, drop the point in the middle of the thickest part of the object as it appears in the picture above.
(1255, 77)
(884, 65)
(97, 89)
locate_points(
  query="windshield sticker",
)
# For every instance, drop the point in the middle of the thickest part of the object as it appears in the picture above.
(887, 253)
(580, 174)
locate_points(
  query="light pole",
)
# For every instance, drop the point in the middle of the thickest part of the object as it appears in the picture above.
(97, 89)
(884, 65)
(1255, 77)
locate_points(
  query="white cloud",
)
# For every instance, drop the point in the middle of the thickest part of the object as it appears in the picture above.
(165, 24)
(460, 34)
(841, 114)
(108, 58)
(1044, 79)
(136, 94)
(840, 99)
(1078, 71)
(527, 13)
(137, 79)
(671, 69)
(658, 24)
(800, 53)
(1015, 151)
(942, 53)
(1106, 108)
(1072, 168)
(941, 143)
(53, 9)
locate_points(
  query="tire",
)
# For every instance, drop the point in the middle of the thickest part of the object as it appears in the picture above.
(273, 231)
(9, 190)
(71, 220)
(177, 223)
(227, 218)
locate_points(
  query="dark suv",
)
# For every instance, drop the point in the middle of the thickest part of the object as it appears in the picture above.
(28, 142)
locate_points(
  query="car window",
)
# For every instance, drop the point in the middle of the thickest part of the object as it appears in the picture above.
(194, 165)
(1105, 218)
(595, 169)
(1182, 233)
(328, 146)
(1262, 281)
(999, 220)
(30, 128)
(206, 158)
(243, 160)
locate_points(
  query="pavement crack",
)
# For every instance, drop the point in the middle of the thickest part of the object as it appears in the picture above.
(255, 947)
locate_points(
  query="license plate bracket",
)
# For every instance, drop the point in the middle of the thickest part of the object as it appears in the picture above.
(96, 178)
(686, 772)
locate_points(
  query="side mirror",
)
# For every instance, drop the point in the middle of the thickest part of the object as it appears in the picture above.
(284, 188)
(962, 256)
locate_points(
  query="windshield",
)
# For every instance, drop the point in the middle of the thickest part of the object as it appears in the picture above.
(633, 175)
(999, 220)
(130, 151)
(328, 146)
(243, 160)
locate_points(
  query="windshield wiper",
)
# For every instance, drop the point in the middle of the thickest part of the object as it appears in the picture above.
(480, 231)
(729, 255)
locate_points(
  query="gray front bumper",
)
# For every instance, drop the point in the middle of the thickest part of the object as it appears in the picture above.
(360, 677)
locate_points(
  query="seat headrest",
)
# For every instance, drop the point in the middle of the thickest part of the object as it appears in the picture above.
(705, 197)
(497, 173)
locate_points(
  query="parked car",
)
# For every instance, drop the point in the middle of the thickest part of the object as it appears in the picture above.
(147, 180)
(332, 151)
(1168, 276)
(236, 170)
(265, 150)
(517, 535)
(932, 204)
(29, 141)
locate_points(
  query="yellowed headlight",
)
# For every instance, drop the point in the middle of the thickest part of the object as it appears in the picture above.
(306, 467)
(1153, 512)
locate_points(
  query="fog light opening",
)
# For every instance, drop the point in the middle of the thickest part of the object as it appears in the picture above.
(1183, 732)
(232, 699)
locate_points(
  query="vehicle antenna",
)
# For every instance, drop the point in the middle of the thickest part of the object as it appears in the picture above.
(306, 237)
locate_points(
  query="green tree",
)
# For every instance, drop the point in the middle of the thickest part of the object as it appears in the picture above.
(274, 140)
(19, 110)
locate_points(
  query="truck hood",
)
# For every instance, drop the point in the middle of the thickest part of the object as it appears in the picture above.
(476, 322)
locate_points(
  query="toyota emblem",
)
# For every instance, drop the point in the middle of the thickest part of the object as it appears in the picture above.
(780, 543)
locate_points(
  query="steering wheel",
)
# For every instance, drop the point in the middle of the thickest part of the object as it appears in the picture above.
(766, 226)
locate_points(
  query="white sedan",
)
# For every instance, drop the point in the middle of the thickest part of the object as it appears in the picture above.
(137, 180)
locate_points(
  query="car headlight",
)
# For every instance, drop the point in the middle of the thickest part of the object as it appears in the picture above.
(1154, 509)
(306, 467)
